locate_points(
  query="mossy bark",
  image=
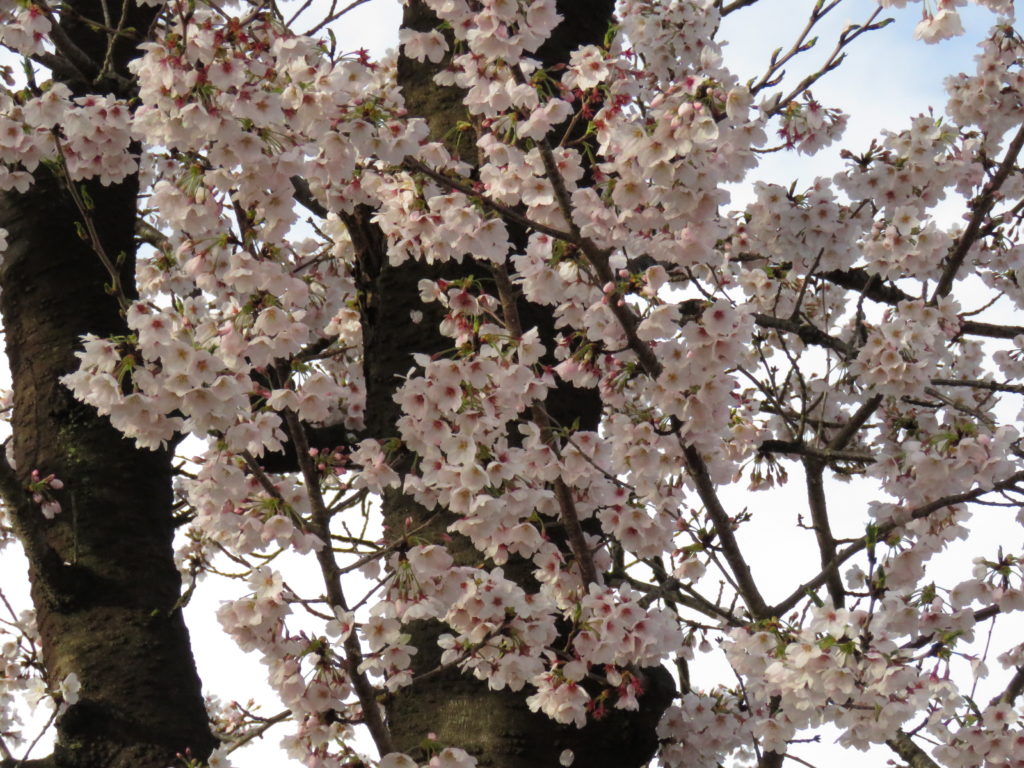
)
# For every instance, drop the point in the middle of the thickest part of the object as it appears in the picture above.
(104, 582)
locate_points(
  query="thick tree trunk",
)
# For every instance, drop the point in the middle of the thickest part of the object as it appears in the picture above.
(104, 583)
(495, 727)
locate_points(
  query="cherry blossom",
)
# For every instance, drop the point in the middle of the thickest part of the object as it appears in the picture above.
(840, 330)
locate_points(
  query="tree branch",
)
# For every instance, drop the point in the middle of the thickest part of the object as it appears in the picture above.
(563, 495)
(859, 418)
(304, 196)
(796, 448)
(809, 334)
(723, 527)
(259, 730)
(372, 713)
(884, 530)
(1013, 689)
(990, 330)
(814, 470)
(982, 206)
(905, 747)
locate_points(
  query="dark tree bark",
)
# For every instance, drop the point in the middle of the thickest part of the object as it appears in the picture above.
(104, 583)
(496, 727)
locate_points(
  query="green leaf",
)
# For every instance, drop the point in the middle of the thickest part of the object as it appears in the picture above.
(87, 200)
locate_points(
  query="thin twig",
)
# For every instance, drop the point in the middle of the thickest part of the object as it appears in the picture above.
(257, 732)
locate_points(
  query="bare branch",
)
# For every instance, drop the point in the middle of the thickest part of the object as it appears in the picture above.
(809, 334)
(304, 197)
(859, 418)
(736, 5)
(510, 214)
(796, 448)
(1013, 689)
(723, 527)
(859, 279)
(822, 530)
(800, 46)
(834, 59)
(991, 330)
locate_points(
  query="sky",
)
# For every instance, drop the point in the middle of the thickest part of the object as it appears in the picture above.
(887, 78)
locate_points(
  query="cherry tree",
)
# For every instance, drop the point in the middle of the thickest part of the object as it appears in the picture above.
(462, 372)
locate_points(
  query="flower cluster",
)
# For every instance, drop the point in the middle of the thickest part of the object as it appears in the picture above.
(904, 350)
(812, 329)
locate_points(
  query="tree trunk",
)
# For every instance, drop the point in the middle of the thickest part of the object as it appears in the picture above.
(496, 727)
(104, 583)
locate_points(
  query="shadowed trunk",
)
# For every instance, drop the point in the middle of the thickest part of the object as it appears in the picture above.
(495, 727)
(104, 584)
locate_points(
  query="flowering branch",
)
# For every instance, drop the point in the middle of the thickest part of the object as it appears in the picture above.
(884, 530)
(563, 494)
(980, 209)
(321, 526)
(265, 725)
(808, 333)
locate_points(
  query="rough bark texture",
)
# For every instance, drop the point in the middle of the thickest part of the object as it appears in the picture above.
(104, 584)
(496, 727)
